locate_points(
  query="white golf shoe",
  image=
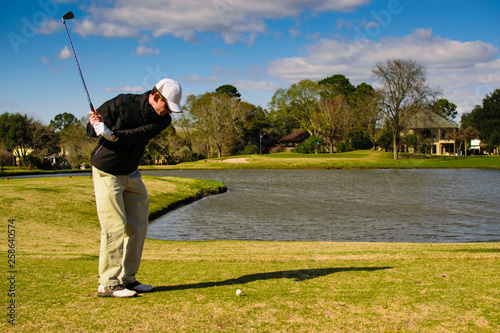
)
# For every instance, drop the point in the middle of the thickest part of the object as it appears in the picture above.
(118, 291)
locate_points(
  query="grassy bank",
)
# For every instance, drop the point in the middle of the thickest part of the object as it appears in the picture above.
(287, 286)
(351, 160)
(360, 159)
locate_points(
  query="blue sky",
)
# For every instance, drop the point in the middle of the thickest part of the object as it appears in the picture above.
(258, 46)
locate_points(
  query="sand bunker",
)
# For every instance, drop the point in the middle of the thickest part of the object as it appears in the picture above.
(236, 160)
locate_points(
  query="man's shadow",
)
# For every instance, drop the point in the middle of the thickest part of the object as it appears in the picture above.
(296, 275)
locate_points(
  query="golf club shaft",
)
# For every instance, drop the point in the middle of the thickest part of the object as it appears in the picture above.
(79, 70)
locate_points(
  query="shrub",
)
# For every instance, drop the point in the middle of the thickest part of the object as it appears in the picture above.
(344, 146)
(249, 149)
(311, 145)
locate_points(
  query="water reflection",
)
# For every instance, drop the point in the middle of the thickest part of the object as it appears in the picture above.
(340, 205)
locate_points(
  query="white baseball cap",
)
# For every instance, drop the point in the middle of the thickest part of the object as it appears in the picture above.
(171, 90)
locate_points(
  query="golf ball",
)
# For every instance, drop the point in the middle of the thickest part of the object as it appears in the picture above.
(238, 292)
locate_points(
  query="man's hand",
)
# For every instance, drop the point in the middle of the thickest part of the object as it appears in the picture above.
(95, 117)
(102, 130)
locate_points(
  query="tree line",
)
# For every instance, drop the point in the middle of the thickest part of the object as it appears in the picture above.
(338, 116)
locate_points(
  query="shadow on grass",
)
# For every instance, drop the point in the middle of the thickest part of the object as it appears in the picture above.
(488, 250)
(296, 275)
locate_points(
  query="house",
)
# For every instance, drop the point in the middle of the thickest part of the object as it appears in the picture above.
(441, 131)
(53, 159)
(293, 139)
(477, 147)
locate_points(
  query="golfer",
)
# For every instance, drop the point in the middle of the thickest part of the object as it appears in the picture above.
(125, 124)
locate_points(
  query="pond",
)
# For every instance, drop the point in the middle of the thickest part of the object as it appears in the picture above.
(340, 205)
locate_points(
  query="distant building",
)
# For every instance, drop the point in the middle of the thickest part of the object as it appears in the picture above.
(477, 147)
(53, 159)
(440, 130)
(293, 139)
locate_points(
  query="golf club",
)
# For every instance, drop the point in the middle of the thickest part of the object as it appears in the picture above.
(69, 16)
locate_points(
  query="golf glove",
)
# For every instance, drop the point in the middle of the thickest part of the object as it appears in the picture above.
(102, 130)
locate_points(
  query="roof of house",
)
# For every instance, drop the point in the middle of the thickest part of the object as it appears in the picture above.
(430, 120)
(296, 136)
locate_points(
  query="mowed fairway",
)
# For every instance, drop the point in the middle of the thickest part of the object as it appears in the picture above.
(360, 159)
(286, 286)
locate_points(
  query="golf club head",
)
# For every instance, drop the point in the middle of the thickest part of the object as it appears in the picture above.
(68, 16)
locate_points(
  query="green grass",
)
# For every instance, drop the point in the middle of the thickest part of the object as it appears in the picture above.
(287, 286)
(18, 171)
(361, 159)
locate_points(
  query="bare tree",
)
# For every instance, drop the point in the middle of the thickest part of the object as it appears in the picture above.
(186, 125)
(76, 145)
(404, 94)
(162, 147)
(219, 117)
(332, 119)
(6, 158)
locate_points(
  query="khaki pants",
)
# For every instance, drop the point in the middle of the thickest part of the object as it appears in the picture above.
(123, 208)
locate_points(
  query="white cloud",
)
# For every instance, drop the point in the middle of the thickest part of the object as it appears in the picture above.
(465, 71)
(314, 36)
(49, 27)
(294, 33)
(257, 85)
(88, 27)
(126, 89)
(199, 79)
(65, 53)
(8, 105)
(142, 51)
(45, 60)
(235, 20)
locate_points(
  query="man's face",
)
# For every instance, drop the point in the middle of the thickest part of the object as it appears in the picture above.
(159, 105)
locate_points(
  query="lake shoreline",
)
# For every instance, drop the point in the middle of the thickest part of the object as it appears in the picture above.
(355, 160)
